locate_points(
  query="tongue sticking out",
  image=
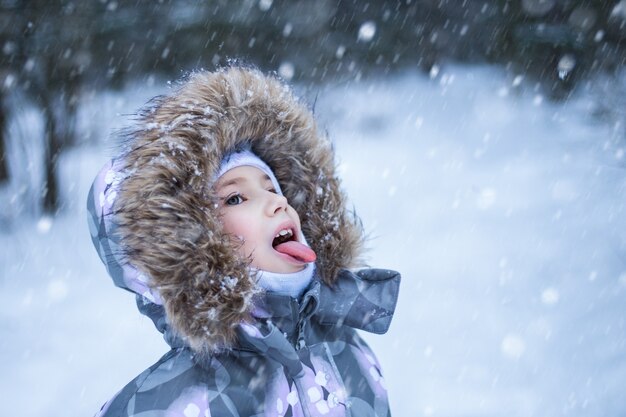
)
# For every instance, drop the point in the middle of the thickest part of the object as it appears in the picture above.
(296, 250)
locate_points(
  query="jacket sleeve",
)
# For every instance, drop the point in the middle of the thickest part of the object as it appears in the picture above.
(363, 300)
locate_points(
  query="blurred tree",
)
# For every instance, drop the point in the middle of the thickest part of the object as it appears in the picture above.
(43, 54)
(561, 42)
(54, 50)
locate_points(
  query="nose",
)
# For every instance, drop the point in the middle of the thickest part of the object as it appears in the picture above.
(276, 203)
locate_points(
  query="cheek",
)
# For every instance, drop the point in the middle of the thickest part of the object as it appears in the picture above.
(233, 225)
(237, 225)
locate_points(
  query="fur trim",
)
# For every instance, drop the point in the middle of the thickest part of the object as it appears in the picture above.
(165, 211)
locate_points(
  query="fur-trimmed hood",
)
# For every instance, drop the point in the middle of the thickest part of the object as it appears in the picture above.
(154, 219)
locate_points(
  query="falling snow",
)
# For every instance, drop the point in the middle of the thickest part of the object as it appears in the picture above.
(286, 70)
(504, 213)
(367, 31)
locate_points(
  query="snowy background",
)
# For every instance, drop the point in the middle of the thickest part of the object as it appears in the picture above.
(503, 211)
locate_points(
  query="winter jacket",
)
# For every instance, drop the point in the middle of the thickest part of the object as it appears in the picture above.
(236, 350)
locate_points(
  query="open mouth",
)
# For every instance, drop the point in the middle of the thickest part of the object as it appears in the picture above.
(285, 235)
(286, 243)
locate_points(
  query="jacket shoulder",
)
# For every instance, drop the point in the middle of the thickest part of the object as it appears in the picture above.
(173, 382)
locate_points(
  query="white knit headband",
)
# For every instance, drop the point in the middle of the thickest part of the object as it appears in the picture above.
(247, 158)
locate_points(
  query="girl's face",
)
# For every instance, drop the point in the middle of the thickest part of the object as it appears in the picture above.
(258, 218)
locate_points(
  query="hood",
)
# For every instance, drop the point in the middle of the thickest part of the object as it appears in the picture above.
(153, 213)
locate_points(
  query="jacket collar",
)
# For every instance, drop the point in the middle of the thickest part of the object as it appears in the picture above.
(286, 312)
(365, 300)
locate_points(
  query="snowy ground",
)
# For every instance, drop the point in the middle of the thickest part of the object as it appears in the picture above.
(504, 212)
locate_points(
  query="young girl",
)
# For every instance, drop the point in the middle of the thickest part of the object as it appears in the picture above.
(224, 215)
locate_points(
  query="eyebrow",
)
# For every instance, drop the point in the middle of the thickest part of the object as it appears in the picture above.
(237, 180)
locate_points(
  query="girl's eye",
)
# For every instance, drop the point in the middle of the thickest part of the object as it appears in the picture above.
(234, 200)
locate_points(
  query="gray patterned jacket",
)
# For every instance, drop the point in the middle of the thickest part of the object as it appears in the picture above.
(296, 360)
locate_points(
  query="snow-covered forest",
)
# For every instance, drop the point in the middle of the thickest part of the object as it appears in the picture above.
(493, 180)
